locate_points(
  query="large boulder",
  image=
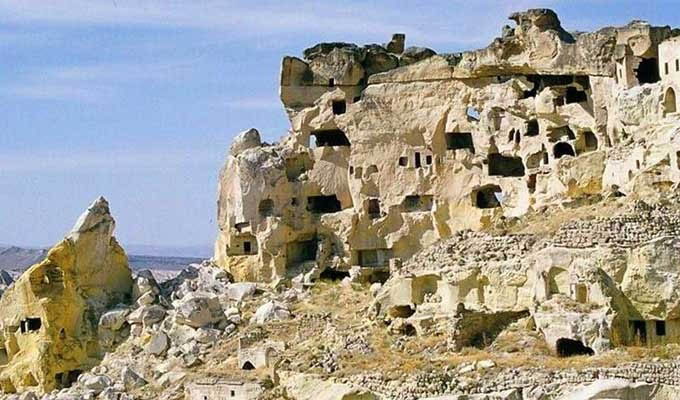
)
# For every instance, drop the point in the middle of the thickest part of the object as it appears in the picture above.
(158, 344)
(611, 389)
(198, 310)
(241, 290)
(272, 311)
(312, 387)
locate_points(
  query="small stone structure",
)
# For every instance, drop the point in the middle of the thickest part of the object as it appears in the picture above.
(223, 389)
(669, 62)
(257, 355)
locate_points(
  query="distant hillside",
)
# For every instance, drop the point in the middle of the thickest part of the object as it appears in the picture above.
(169, 251)
(161, 263)
(18, 258)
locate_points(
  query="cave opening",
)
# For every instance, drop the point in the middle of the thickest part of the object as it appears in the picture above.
(648, 71)
(301, 251)
(574, 95)
(339, 107)
(569, 348)
(30, 325)
(266, 208)
(532, 128)
(330, 137)
(323, 204)
(500, 165)
(489, 196)
(332, 274)
(639, 329)
(563, 149)
(460, 140)
(373, 208)
(416, 203)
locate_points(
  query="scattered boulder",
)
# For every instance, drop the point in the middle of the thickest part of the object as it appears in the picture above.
(95, 383)
(271, 311)
(158, 344)
(131, 379)
(198, 310)
(242, 290)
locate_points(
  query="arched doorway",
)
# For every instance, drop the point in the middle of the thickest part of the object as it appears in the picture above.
(563, 149)
(669, 103)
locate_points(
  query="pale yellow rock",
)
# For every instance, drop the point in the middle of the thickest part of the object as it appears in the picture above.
(311, 387)
(49, 318)
(385, 158)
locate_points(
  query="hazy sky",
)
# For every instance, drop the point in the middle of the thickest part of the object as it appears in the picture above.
(138, 100)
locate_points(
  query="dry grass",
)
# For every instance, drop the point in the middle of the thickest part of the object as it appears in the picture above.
(342, 309)
(548, 221)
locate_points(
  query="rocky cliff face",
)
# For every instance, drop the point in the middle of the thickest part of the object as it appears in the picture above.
(393, 149)
(49, 316)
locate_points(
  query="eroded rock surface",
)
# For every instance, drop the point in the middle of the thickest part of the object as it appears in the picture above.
(386, 157)
(49, 317)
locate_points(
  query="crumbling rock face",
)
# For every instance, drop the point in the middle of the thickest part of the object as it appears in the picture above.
(596, 284)
(392, 149)
(49, 317)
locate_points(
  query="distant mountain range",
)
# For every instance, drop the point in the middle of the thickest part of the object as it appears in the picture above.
(19, 258)
(169, 251)
(13, 257)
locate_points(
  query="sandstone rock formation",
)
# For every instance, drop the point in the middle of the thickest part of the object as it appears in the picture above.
(389, 153)
(585, 291)
(48, 318)
(410, 168)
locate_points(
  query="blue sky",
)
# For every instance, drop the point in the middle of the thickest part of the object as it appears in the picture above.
(138, 100)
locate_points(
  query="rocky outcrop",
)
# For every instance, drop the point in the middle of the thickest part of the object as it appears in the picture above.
(48, 318)
(392, 149)
(586, 295)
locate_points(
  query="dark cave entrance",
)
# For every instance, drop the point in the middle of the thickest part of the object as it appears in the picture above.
(563, 149)
(569, 348)
(648, 71)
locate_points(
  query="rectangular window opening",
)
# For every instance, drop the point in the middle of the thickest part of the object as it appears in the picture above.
(660, 328)
(330, 137)
(339, 107)
(323, 204)
(30, 325)
(374, 208)
(460, 140)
